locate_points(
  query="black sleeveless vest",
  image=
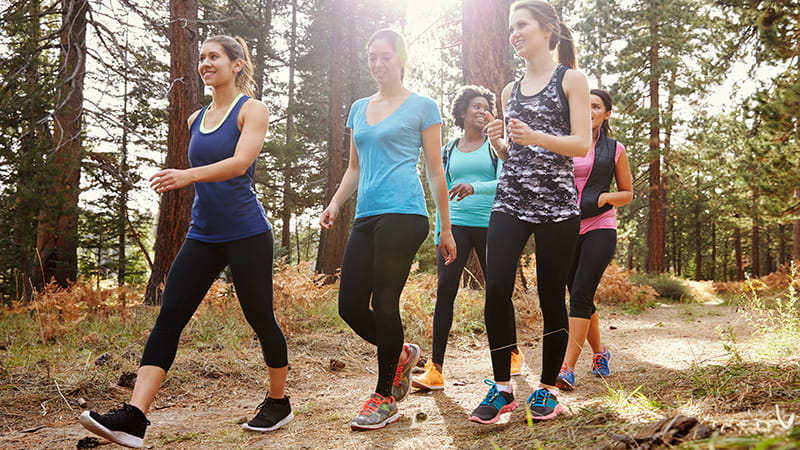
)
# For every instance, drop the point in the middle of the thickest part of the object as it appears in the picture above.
(600, 179)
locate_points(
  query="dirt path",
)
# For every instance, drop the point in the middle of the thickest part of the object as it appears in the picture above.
(655, 345)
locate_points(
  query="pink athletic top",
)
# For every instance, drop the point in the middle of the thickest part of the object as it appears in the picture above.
(583, 168)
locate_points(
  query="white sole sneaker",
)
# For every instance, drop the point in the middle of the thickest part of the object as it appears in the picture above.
(280, 423)
(118, 437)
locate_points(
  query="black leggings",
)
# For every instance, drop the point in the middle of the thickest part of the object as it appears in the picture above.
(466, 239)
(593, 253)
(375, 267)
(555, 244)
(193, 271)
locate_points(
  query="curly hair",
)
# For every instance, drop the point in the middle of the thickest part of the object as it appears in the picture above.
(465, 95)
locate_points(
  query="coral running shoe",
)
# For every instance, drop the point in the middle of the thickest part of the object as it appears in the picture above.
(401, 385)
(495, 403)
(377, 412)
(543, 405)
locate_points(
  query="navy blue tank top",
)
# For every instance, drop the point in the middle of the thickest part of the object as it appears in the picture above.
(223, 211)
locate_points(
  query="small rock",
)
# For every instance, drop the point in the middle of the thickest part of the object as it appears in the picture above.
(89, 442)
(81, 402)
(127, 379)
(612, 327)
(421, 416)
(103, 359)
(336, 365)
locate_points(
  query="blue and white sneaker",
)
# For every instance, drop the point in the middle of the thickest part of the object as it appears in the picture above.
(543, 405)
(495, 403)
(600, 363)
(566, 379)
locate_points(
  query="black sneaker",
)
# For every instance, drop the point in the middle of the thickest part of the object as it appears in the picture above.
(124, 426)
(272, 414)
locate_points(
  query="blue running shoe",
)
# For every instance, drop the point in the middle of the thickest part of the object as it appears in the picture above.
(566, 379)
(600, 363)
(543, 405)
(496, 402)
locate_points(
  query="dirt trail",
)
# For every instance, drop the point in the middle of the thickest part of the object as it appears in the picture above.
(651, 345)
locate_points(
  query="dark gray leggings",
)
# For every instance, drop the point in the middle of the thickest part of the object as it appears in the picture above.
(193, 271)
(555, 245)
(375, 267)
(593, 253)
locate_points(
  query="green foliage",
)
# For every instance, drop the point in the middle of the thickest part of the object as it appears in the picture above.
(667, 285)
(777, 319)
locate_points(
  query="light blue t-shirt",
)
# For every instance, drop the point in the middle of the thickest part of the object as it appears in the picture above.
(474, 168)
(388, 153)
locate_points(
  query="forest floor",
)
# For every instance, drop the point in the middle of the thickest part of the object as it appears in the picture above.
(668, 360)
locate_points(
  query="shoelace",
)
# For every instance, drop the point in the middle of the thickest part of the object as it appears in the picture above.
(492, 394)
(599, 361)
(398, 374)
(540, 396)
(261, 406)
(370, 406)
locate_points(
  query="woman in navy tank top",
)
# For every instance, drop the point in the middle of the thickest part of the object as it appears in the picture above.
(547, 114)
(228, 228)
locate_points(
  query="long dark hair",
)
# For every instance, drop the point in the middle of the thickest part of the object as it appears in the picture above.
(609, 105)
(545, 14)
(396, 40)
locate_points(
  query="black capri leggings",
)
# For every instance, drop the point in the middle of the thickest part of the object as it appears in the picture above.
(593, 253)
(466, 239)
(193, 271)
(375, 267)
(555, 245)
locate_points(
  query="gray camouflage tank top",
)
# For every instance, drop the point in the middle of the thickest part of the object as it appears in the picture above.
(538, 185)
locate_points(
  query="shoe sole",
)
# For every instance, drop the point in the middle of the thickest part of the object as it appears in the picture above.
(419, 385)
(556, 411)
(280, 423)
(377, 426)
(413, 358)
(564, 385)
(117, 437)
(516, 374)
(508, 408)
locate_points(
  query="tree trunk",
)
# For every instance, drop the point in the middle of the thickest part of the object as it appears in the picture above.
(486, 61)
(713, 263)
(755, 255)
(655, 217)
(796, 233)
(57, 237)
(698, 250)
(286, 211)
(781, 257)
(332, 242)
(175, 207)
(737, 245)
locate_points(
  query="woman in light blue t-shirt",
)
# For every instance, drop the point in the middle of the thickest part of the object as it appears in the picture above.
(388, 130)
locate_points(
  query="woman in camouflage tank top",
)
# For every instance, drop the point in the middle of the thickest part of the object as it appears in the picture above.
(547, 123)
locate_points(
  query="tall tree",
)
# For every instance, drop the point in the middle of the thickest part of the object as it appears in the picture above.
(184, 95)
(57, 236)
(486, 61)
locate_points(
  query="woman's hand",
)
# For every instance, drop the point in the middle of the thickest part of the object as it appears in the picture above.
(602, 199)
(461, 190)
(169, 179)
(447, 245)
(521, 133)
(328, 216)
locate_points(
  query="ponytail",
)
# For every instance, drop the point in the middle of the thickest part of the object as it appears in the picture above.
(236, 48)
(546, 15)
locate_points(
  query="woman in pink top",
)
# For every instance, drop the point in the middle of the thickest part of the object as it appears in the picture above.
(598, 237)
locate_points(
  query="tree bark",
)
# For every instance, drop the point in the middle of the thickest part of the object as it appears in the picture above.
(655, 217)
(486, 61)
(57, 236)
(332, 242)
(737, 244)
(286, 211)
(755, 254)
(175, 207)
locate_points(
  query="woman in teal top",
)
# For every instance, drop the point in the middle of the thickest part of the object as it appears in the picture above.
(388, 130)
(471, 169)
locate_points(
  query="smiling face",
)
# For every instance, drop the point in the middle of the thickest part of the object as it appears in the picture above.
(475, 114)
(385, 64)
(215, 66)
(526, 34)
(598, 111)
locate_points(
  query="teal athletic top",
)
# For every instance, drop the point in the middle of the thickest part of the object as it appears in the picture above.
(388, 153)
(229, 210)
(475, 168)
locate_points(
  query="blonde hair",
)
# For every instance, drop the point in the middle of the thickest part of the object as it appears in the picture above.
(396, 40)
(545, 14)
(236, 48)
